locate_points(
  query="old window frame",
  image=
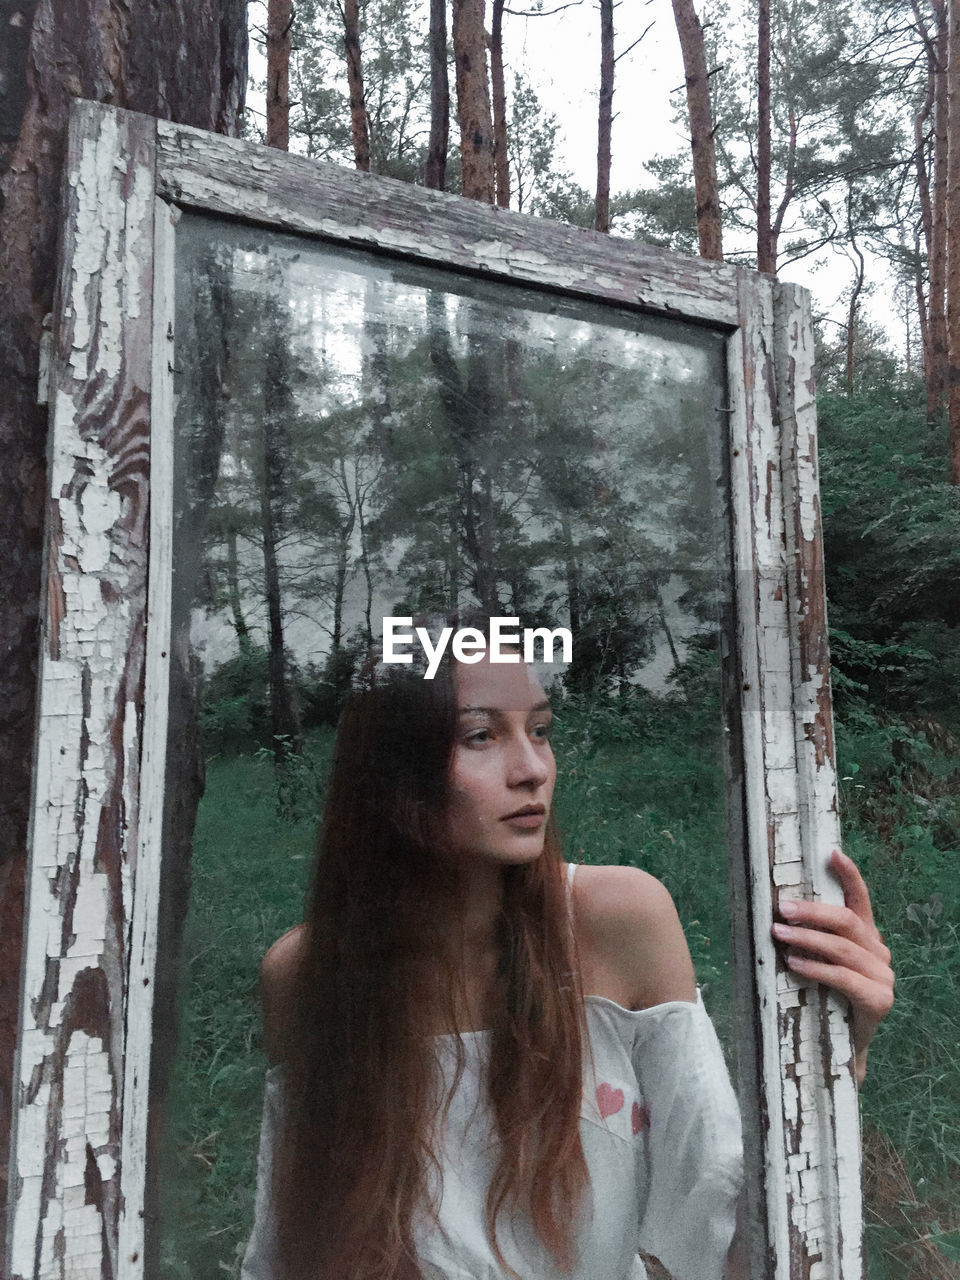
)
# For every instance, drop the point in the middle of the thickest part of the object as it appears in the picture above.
(78, 1141)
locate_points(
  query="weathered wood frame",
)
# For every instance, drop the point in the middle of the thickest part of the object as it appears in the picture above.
(80, 1087)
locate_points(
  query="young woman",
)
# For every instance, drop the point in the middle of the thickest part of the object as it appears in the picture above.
(490, 1064)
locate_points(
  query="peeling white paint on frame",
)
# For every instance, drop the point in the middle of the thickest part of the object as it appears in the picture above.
(65, 1138)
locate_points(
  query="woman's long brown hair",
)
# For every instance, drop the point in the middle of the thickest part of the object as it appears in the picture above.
(359, 1154)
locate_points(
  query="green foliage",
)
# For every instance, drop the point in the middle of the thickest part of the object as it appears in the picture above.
(395, 66)
(892, 546)
(235, 703)
(300, 779)
(891, 529)
(666, 212)
(901, 817)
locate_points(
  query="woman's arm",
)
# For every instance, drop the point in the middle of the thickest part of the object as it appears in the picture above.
(842, 948)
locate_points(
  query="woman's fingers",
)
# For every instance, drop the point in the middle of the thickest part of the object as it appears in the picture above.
(870, 997)
(835, 949)
(856, 895)
(841, 948)
(842, 921)
(853, 920)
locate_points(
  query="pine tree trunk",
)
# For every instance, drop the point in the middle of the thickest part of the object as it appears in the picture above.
(233, 592)
(467, 409)
(926, 218)
(852, 323)
(571, 567)
(184, 59)
(701, 129)
(953, 237)
(279, 19)
(277, 411)
(936, 300)
(922, 313)
(358, 106)
(435, 171)
(344, 542)
(766, 252)
(501, 162)
(601, 220)
(473, 100)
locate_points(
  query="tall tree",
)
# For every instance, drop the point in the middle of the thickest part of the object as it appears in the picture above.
(435, 169)
(860, 265)
(931, 166)
(605, 116)
(953, 237)
(692, 47)
(358, 106)
(278, 409)
(185, 60)
(473, 100)
(766, 249)
(501, 160)
(279, 21)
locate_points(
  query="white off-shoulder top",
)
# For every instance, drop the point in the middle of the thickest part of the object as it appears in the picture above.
(661, 1135)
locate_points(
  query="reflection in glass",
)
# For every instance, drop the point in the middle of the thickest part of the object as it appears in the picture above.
(359, 438)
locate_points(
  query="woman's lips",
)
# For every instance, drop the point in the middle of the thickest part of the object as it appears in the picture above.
(526, 819)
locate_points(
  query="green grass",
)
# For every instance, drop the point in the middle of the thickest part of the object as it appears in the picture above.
(639, 784)
(901, 811)
(249, 873)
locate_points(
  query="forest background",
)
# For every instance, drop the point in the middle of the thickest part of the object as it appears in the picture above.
(813, 129)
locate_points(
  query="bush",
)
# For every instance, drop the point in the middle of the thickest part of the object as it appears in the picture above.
(235, 703)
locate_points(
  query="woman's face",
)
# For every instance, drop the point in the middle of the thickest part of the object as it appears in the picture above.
(502, 770)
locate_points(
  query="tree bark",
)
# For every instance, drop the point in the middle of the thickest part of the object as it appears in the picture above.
(953, 237)
(501, 161)
(854, 294)
(766, 252)
(183, 60)
(473, 100)
(701, 129)
(922, 312)
(233, 591)
(937, 251)
(467, 408)
(931, 167)
(435, 171)
(358, 106)
(278, 409)
(601, 220)
(279, 20)
(926, 215)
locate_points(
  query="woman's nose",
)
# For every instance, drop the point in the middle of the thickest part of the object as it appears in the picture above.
(529, 763)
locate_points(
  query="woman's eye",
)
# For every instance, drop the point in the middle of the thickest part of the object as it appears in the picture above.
(478, 738)
(542, 731)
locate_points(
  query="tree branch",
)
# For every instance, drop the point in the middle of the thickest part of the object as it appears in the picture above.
(624, 52)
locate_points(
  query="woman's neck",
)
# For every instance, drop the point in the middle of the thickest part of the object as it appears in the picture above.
(475, 946)
(482, 896)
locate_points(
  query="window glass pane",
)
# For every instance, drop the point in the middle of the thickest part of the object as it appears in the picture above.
(360, 438)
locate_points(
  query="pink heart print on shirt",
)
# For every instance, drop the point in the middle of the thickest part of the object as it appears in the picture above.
(609, 1100)
(639, 1117)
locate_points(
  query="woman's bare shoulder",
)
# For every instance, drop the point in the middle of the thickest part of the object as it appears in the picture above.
(277, 970)
(630, 939)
